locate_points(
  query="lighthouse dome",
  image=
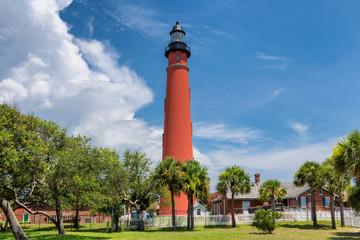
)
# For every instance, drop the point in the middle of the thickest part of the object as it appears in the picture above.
(177, 28)
(177, 41)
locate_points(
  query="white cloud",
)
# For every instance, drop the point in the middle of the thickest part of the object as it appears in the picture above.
(268, 57)
(279, 63)
(267, 97)
(287, 160)
(10, 90)
(299, 127)
(45, 70)
(272, 95)
(222, 34)
(90, 26)
(220, 132)
(138, 18)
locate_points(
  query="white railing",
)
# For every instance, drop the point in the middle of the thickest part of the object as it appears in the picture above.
(288, 216)
(352, 221)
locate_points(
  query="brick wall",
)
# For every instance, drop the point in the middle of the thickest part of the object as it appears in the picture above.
(318, 199)
(67, 215)
(238, 205)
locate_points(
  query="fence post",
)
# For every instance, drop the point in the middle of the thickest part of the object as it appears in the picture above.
(307, 215)
(336, 214)
(205, 217)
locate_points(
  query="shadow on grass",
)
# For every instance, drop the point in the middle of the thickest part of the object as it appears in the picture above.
(218, 226)
(68, 228)
(48, 236)
(52, 236)
(180, 229)
(306, 226)
(346, 235)
(260, 233)
(6, 235)
(167, 229)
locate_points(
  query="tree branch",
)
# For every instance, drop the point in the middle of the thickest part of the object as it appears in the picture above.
(21, 205)
(33, 185)
(126, 199)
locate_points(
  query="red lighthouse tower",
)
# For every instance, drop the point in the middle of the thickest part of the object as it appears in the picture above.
(177, 138)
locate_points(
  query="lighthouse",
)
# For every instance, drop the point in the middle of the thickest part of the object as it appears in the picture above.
(177, 137)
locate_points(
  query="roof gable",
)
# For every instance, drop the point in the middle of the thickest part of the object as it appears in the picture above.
(292, 191)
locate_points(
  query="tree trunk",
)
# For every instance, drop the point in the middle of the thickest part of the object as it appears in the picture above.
(10, 216)
(112, 220)
(1, 225)
(173, 211)
(192, 213)
(273, 204)
(141, 220)
(313, 208)
(232, 210)
(115, 221)
(6, 226)
(76, 219)
(332, 211)
(189, 214)
(59, 217)
(341, 203)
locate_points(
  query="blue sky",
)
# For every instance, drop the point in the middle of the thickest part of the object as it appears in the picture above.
(273, 83)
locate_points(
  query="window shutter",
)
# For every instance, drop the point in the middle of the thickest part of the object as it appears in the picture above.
(307, 201)
(299, 201)
(323, 201)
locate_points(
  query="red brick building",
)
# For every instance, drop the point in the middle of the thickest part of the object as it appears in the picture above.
(295, 198)
(85, 215)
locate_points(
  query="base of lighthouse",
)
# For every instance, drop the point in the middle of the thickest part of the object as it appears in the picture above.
(181, 205)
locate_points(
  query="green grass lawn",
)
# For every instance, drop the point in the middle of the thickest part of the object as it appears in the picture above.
(290, 230)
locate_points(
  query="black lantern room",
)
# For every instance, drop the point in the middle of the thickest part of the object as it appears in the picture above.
(177, 41)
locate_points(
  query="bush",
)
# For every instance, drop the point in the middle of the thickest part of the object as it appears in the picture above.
(266, 220)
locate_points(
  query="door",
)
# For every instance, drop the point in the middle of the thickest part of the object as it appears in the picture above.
(245, 206)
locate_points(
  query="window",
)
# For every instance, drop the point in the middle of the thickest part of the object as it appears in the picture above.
(309, 192)
(177, 58)
(320, 192)
(303, 202)
(198, 212)
(326, 201)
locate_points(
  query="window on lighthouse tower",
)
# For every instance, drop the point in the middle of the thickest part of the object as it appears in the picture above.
(177, 58)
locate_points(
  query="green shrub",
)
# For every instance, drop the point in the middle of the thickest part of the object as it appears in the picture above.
(266, 220)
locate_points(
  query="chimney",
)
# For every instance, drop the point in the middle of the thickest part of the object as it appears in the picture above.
(257, 177)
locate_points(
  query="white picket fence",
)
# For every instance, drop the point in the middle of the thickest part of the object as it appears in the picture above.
(289, 216)
(352, 221)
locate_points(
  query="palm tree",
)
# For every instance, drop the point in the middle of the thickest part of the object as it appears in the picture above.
(270, 190)
(169, 172)
(235, 180)
(342, 179)
(309, 173)
(346, 155)
(195, 185)
(331, 185)
(343, 185)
